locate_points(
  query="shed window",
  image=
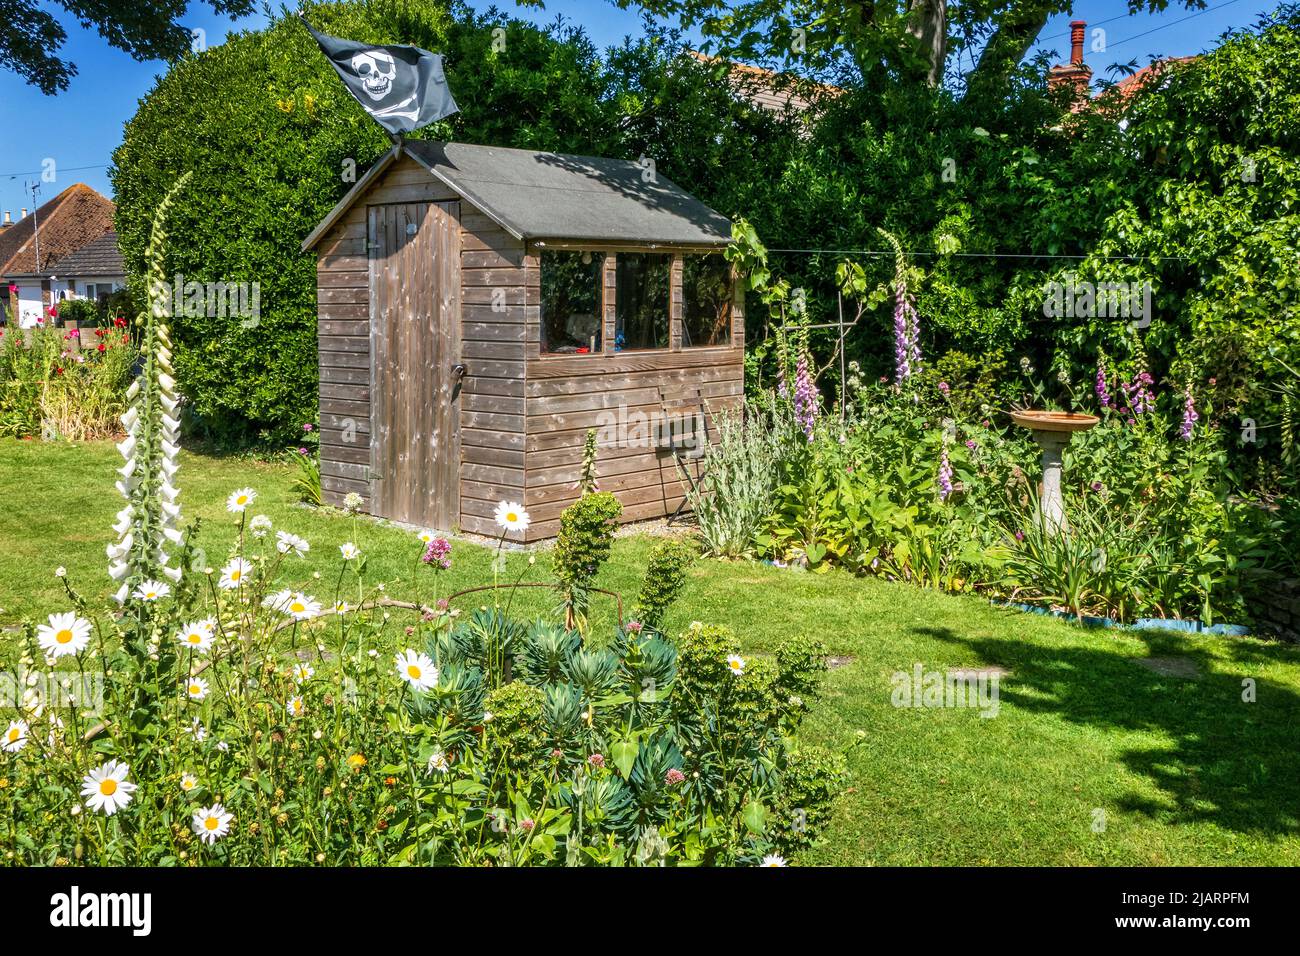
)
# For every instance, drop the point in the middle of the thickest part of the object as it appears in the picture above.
(641, 300)
(572, 312)
(706, 300)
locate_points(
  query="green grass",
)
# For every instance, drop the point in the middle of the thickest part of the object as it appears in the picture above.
(1184, 771)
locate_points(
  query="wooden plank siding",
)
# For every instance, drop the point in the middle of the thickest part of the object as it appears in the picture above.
(523, 416)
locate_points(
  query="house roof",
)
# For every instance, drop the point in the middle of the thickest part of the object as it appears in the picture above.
(99, 257)
(555, 196)
(1130, 86)
(777, 92)
(64, 224)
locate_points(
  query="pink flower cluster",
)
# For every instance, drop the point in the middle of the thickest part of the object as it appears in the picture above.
(438, 552)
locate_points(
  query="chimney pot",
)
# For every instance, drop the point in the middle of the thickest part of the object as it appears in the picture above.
(1077, 29)
(23, 214)
(7, 219)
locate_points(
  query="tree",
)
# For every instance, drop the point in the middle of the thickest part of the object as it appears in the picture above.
(146, 29)
(908, 40)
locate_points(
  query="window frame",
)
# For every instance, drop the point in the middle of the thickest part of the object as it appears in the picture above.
(602, 303)
(609, 297)
(680, 284)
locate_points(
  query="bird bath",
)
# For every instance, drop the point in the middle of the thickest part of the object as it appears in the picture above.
(1052, 432)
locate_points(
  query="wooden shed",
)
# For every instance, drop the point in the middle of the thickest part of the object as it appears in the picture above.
(481, 308)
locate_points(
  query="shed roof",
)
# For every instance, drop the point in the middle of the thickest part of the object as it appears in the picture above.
(556, 196)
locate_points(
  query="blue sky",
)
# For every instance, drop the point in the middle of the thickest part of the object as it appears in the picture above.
(80, 128)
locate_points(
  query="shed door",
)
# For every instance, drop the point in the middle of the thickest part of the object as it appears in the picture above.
(414, 254)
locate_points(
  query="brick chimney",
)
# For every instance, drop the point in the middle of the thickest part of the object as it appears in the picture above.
(1076, 73)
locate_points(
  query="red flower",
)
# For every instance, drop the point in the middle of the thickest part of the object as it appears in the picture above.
(100, 332)
(101, 346)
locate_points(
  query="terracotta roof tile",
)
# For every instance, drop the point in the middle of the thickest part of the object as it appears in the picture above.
(67, 222)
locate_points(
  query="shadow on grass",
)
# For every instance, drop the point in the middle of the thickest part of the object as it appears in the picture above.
(1230, 763)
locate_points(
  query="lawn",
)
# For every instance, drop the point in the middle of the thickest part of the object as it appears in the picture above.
(1092, 758)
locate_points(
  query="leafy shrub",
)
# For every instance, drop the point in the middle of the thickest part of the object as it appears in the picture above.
(665, 577)
(741, 471)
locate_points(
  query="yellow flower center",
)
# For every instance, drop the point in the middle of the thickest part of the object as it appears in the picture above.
(235, 574)
(196, 638)
(211, 823)
(241, 500)
(64, 636)
(150, 595)
(511, 516)
(414, 671)
(187, 784)
(13, 734)
(297, 607)
(195, 690)
(108, 787)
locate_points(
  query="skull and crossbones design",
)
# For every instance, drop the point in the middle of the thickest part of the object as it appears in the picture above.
(376, 70)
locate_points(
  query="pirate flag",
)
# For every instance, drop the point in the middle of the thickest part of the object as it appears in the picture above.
(402, 87)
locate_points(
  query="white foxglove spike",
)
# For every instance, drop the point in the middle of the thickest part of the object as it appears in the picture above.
(118, 570)
(172, 535)
(132, 416)
(121, 595)
(127, 470)
(126, 446)
(166, 381)
(173, 573)
(132, 392)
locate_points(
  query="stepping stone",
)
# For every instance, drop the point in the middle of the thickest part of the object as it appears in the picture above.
(834, 663)
(974, 673)
(1183, 667)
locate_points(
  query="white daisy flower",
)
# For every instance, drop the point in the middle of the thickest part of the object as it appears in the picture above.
(437, 763)
(198, 731)
(239, 500)
(189, 782)
(416, 669)
(233, 574)
(106, 788)
(341, 607)
(736, 664)
(300, 606)
(197, 636)
(151, 591)
(60, 571)
(773, 859)
(196, 688)
(211, 823)
(427, 536)
(260, 525)
(512, 516)
(15, 738)
(350, 551)
(302, 672)
(295, 707)
(222, 746)
(286, 542)
(65, 634)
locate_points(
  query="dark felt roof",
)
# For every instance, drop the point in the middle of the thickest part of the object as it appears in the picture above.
(100, 257)
(537, 196)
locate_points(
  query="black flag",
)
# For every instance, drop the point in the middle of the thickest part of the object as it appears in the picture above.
(402, 87)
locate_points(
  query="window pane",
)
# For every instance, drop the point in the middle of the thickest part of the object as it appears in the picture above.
(706, 300)
(641, 300)
(572, 317)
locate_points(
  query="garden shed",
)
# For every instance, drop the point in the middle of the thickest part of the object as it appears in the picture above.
(481, 308)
